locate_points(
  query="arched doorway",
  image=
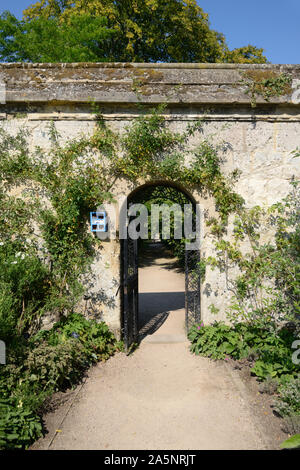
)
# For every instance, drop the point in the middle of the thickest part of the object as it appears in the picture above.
(163, 193)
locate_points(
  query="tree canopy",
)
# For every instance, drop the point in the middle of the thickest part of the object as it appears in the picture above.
(117, 30)
(82, 39)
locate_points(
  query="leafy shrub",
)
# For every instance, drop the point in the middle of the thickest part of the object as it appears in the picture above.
(217, 341)
(18, 426)
(55, 367)
(266, 290)
(269, 386)
(288, 403)
(291, 424)
(95, 339)
(271, 352)
(46, 249)
(24, 282)
(49, 361)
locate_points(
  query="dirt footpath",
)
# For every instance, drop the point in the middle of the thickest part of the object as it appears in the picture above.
(160, 397)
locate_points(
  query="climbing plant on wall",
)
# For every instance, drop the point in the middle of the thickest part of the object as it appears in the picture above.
(62, 184)
(266, 84)
(263, 271)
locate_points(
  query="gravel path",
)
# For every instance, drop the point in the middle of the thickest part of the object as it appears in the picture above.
(160, 397)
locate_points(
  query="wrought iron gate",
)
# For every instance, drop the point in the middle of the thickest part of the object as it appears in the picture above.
(192, 288)
(129, 282)
(130, 292)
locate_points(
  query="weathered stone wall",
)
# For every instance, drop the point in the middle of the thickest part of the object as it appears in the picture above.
(261, 138)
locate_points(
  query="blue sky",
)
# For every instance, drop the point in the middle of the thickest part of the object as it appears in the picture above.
(271, 24)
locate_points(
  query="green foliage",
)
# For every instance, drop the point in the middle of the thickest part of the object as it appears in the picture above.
(117, 31)
(167, 196)
(271, 353)
(266, 83)
(45, 255)
(18, 427)
(96, 339)
(24, 285)
(288, 403)
(151, 148)
(69, 177)
(245, 55)
(152, 151)
(46, 248)
(83, 38)
(50, 361)
(24, 294)
(217, 341)
(266, 288)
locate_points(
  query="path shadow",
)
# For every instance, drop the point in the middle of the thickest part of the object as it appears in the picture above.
(154, 309)
(152, 251)
(151, 325)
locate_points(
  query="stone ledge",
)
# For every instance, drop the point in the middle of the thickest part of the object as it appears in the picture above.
(136, 83)
(129, 65)
(169, 117)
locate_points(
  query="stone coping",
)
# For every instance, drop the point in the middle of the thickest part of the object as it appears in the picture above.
(130, 83)
(126, 65)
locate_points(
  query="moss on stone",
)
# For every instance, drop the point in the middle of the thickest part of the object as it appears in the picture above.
(266, 83)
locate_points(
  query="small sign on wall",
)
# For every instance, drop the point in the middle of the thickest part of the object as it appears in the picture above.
(98, 221)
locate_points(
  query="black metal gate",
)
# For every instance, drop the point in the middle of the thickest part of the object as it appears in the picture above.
(130, 292)
(192, 288)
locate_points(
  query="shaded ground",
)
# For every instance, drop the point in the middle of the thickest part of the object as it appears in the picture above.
(160, 397)
(161, 294)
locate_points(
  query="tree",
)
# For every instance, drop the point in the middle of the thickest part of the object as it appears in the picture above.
(118, 30)
(82, 39)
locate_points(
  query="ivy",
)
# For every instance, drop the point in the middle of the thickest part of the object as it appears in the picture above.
(262, 274)
(151, 151)
(79, 175)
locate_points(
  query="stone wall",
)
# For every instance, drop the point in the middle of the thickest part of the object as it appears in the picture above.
(261, 138)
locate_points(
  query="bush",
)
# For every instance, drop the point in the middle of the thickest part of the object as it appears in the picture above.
(266, 289)
(217, 341)
(48, 362)
(24, 282)
(288, 403)
(270, 351)
(18, 426)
